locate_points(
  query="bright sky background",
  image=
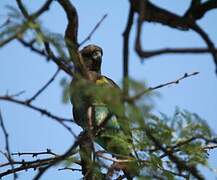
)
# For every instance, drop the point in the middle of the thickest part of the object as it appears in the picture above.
(22, 70)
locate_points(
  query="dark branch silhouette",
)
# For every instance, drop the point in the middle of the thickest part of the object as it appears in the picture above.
(43, 88)
(139, 95)
(93, 31)
(74, 66)
(152, 13)
(7, 145)
(25, 103)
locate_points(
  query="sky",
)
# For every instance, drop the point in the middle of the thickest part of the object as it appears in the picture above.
(23, 70)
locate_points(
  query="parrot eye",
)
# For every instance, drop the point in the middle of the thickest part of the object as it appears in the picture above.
(96, 55)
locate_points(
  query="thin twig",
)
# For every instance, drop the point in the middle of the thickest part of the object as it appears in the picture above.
(68, 153)
(187, 141)
(19, 31)
(36, 14)
(210, 147)
(93, 30)
(139, 95)
(27, 165)
(174, 173)
(5, 23)
(99, 154)
(40, 110)
(164, 51)
(44, 87)
(180, 164)
(61, 63)
(25, 26)
(17, 94)
(43, 8)
(35, 154)
(7, 145)
(71, 169)
(82, 137)
(22, 9)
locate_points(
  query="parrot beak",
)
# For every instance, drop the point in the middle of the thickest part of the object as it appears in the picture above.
(97, 60)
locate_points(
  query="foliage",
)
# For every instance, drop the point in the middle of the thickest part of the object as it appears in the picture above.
(158, 146)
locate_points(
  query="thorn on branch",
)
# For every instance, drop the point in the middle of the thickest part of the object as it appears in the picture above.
(35, 154)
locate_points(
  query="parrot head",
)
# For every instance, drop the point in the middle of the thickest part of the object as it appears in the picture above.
(92, 56)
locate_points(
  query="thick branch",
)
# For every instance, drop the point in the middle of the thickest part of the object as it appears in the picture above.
(162, 16)
(197, 9)
(71, 37)
(156, 14)
(72, 16)
(185, 22)
(126, 36)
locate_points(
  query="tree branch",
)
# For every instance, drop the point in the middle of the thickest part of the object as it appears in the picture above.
(126, 35)
(35, 154)
(43, 8)
(60, 120)
(43, 88)
(61, 63)
(149, 54)
(180, 164)
(197, 9)
(185, 22)
(71, 37)
(7, 145)
(27, 165)
(139, 95)
(24, 26)
(208, 41)
(93, 30)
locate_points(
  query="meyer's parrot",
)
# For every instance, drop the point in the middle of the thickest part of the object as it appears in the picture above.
(103, 95)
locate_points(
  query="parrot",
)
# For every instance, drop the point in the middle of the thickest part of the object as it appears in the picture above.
(115, 134)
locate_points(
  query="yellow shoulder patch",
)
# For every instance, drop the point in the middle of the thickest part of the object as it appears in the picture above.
(102, 80)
